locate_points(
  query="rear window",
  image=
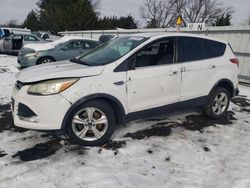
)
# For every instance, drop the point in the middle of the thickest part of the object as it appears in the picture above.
(192, 49)
(6, 32)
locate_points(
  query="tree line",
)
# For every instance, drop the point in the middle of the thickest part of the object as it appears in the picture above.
(61, 15)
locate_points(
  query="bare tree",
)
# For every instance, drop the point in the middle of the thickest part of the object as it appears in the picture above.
(246, 21)
(163, 13)
(12, 23)
(194, 11)
(158, 13)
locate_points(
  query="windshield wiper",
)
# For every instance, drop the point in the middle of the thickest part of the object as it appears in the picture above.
(74, 60)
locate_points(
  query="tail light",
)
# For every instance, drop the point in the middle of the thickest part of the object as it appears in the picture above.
(235, 61)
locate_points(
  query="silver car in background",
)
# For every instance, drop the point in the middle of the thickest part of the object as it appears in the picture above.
(63, 49)
(14, 42)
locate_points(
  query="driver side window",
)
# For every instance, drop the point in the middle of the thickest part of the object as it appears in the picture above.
(73, 45)
(158, 53)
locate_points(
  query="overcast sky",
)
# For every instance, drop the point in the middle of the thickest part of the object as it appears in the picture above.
(18, 9)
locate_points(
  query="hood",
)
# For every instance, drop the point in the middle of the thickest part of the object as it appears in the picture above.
(40, 46)
(61, 69)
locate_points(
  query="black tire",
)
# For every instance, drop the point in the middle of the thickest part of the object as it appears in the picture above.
(110, 116)
(209, 108)
(44, 59)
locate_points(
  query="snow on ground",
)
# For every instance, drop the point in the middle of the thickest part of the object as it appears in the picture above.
(8, 66)
(179, 150)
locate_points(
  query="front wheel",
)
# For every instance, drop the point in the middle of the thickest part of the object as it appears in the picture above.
(217, 104)
(45, 60)
(91, 124)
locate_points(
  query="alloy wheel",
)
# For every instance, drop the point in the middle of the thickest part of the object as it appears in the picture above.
(220, 103)
(89, 124)
(47, 61)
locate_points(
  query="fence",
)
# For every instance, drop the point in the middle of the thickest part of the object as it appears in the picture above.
(237, 36)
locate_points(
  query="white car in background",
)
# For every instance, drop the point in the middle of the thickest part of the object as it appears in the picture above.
(127, 78)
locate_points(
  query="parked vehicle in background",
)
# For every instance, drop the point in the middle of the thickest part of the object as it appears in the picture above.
(48, 35)
(14, 42)
(127, 78)
(6, 31)
(106, 38)
(62, 49)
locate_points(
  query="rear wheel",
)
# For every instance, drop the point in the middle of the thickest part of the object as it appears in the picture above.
(91, 124)
(45, 60)
(217, 104)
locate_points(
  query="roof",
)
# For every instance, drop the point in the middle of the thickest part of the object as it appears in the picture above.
(172, 34)
(68, 38)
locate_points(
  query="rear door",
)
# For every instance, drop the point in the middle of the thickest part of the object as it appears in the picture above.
(155, 78)
(7, 43)
(200, 60)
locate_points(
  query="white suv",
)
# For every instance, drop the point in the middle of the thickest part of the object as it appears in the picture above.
(125, 79)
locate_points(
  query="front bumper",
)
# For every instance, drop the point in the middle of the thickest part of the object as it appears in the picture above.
(25, 61)
(38, 112)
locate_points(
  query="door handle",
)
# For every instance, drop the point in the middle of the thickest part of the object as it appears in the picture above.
(212, 67)
(172, 73)
(119, 83)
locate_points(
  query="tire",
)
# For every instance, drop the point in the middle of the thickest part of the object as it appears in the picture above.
(45, 60)
(82, 123)
(217, 104)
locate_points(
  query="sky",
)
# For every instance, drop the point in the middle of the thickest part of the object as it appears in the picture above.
(18, 9)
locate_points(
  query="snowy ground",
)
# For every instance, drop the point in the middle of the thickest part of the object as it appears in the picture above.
(176, 151)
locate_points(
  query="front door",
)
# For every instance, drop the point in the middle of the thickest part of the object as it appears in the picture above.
(155, 78)
(69, 50)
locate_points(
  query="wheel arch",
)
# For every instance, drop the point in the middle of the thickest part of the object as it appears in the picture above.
(114, 102)
(225, 83)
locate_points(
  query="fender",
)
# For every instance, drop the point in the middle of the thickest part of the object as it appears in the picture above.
(114, 102)
(229, 85)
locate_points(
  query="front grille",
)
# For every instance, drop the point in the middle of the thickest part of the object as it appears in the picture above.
(19, 85)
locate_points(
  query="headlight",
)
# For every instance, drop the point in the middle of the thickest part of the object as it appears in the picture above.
(51, 87)
(31, 54)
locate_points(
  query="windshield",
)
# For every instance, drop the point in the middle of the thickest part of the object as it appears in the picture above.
(111, 51)
(37, 34)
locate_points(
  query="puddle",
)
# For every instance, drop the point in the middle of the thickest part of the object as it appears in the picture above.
(2, 154)
(39, 151)
(199, 122)
(155, 130)
(114, 145)
(192, 122)
(242, 102)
